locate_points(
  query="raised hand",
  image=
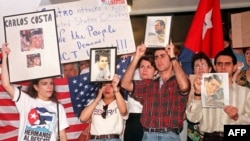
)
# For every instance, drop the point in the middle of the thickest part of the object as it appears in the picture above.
(5, 50)
(115, 81)
(140, 50)
(197, 83)
(170, 49)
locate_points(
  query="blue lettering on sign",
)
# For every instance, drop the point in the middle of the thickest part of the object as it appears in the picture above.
(85, 20)
(75, 35)
(60, 36)
(66, 56)
(62, 13)
(112, 16)
(87, 44)
(92, 32)
(85, 10)
(63, 24)
(121, 44)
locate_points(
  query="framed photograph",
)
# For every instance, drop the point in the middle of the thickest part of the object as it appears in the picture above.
(32, 38)
(158, 31)
(214, 90)
(102, 64)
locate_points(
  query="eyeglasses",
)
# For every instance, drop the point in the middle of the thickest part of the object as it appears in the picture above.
(104, 113)
(200, 66)
(247, 54)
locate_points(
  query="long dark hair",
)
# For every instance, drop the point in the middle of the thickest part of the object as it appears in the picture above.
(33, 93)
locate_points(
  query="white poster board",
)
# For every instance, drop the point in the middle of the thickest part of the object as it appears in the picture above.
(89, 24)
(32, 38)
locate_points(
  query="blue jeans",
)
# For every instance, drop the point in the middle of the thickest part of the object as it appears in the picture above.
(104, 140)
(157, 136)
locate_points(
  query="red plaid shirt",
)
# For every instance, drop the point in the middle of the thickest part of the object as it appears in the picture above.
(162, 107)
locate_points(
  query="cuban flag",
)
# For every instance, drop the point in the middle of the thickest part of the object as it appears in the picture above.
(40, 117)
(205, 33)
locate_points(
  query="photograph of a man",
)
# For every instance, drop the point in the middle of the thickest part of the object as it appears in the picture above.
(157, 31)
(212, 91)
(32, 39)
(159, 35)
(101, 70)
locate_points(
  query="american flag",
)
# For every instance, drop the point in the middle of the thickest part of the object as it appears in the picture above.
(9, 117)
(81, 91)
(122, 65)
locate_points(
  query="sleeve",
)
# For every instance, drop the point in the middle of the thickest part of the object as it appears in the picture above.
(194, 111)
(17, 94)
(126, 117)
(244, 118)
(21, 99)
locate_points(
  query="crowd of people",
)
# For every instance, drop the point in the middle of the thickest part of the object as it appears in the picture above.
(158, 102)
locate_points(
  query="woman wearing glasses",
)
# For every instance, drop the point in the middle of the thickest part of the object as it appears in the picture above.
(107, 113)
(201, 63)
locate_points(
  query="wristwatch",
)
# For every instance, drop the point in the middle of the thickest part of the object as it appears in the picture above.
(173, 58)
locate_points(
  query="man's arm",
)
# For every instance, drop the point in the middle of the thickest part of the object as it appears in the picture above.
(182, 79)
(126, 81)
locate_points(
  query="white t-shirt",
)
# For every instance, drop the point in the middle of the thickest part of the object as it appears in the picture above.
(112, 124)
(38, 118)
(134, 106)
(86, 70)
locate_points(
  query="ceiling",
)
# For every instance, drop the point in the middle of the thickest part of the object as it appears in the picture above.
(141, 7)
(170, 6)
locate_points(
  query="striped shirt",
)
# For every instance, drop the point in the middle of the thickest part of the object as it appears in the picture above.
(214, 119)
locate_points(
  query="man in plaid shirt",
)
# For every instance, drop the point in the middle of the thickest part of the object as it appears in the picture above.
(164, 99)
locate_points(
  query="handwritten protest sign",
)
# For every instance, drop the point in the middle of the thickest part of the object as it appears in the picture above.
(89, 24)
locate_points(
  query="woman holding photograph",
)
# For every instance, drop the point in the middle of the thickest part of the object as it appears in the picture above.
(235, 112)
(39, 108)
(107, 113)
(201, 63)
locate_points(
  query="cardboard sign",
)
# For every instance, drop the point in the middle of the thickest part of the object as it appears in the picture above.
(89, 24)
(240, 29)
